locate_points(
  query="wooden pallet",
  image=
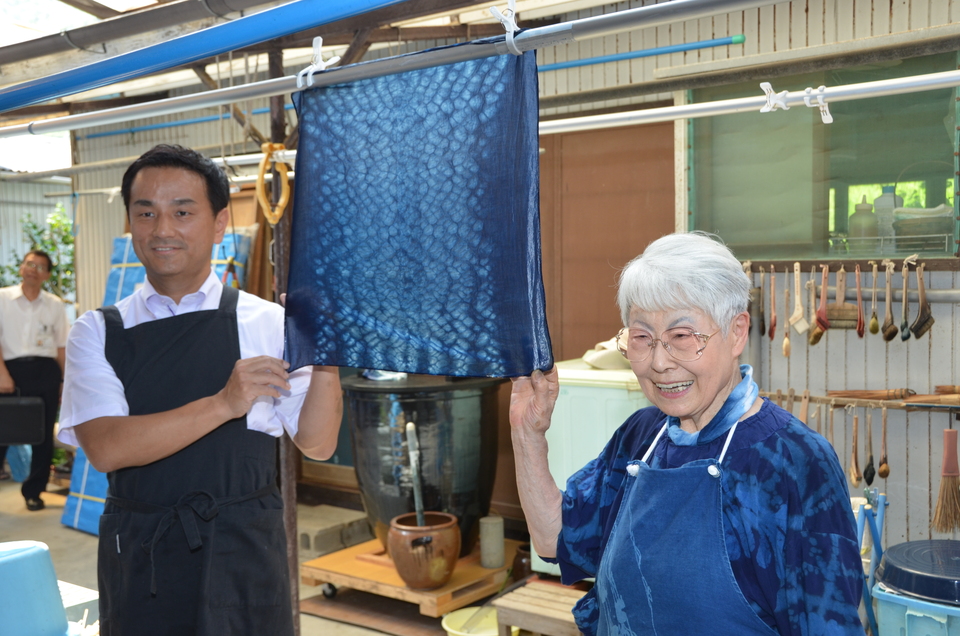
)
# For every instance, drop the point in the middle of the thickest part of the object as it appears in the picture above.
(366, 567)
(541, 608)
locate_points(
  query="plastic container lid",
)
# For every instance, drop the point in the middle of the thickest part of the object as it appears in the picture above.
(929, 570)
(889, 189)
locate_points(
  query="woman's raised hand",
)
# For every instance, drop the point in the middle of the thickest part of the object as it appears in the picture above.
(532, 400)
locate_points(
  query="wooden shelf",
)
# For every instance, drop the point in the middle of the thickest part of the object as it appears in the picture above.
(366, 567)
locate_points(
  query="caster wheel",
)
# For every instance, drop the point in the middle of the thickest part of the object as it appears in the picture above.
(329, 590)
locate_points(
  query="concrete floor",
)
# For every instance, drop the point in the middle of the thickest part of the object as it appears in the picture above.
(74, 553)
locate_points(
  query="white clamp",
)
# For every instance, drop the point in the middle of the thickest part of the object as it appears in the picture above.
(822, 105)
(508, 19)
(774, 100)
(317, 63)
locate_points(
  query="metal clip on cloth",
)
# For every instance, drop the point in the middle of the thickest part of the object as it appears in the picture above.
(273, 213)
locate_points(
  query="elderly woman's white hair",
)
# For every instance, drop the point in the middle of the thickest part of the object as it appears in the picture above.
(685, 271)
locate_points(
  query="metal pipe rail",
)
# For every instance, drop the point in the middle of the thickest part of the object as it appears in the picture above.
(146, 61)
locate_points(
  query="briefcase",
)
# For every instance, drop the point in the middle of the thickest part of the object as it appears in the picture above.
(21, 420)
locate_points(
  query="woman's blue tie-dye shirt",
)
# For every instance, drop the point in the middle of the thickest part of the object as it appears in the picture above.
(790, 531)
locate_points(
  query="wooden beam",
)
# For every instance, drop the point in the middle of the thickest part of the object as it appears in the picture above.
(358, 47)
(237, 114)
(95, 9)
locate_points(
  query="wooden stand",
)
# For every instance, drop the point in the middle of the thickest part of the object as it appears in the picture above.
(540, 608)
(368, 568)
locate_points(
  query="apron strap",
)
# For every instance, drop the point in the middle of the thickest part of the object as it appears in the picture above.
(653, 445)
(723, 452)
(197, 503)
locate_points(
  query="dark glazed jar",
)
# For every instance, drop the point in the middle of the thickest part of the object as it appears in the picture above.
(425, 556)
(456, 422)
(522, 563)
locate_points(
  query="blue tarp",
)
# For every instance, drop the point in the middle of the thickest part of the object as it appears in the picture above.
(127, 273)
(88, 492)
(415, 244)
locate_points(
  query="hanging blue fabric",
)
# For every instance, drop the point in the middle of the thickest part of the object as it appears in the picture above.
(415, 243)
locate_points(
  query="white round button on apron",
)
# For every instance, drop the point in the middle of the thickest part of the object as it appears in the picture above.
(713, 470)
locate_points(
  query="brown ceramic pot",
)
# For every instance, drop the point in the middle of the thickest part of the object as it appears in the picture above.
(424, 556)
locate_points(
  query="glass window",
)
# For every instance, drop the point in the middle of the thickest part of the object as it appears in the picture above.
(877, 181)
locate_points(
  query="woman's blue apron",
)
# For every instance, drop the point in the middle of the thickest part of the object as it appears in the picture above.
(665, 569)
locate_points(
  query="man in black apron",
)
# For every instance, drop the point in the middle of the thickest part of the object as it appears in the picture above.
(192, 538)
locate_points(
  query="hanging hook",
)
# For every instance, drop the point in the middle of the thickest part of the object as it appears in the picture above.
(508, 19)
(317, 63)
(774, 100)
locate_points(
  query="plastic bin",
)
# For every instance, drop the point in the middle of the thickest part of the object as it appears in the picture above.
(900, 615)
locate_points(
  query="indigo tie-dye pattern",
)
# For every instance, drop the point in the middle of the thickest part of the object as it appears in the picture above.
(416, 236)
(788, 527)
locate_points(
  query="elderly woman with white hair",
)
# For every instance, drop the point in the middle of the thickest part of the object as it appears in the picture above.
(712, 511)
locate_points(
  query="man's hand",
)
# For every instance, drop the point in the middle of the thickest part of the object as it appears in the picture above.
(7, 385)
(532, 400)
(252, 378)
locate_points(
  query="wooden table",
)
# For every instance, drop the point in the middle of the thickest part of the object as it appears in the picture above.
(367, 567)
(541, 608)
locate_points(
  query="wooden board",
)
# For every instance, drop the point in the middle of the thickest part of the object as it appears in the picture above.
(542, 608)
(365, 567)
(373, 612)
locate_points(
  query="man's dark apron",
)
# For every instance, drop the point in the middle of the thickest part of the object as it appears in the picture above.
(192, 543)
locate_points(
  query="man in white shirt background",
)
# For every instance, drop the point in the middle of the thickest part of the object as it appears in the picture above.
(33, 334)
(178, 393)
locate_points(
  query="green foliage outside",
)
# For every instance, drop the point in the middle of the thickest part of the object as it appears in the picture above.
(56, 239)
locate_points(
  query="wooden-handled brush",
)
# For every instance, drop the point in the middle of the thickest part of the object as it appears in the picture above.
(924, 319)
(797, 319)
(773, 303)
(869, 471)
(786, 323)
(889, 329)
(947, 389)
(904, 325)
(841, 314)
(821, 324)
(855, 476)
(861, 323)
(763, 323)
(874, 323)
(884, 470)
(946, 518)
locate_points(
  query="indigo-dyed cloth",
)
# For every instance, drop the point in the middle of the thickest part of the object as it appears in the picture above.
(788, 525)
(415, 243)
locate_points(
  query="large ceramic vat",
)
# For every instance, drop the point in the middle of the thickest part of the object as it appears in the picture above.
(456, 421)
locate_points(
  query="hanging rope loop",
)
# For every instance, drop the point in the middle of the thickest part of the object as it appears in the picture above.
(273, 213)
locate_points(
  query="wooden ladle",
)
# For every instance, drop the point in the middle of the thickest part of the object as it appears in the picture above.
(855, 476)
(889, 329)
(884, 469)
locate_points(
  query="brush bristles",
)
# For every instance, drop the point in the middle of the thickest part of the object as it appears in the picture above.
(947, 516)
(922, 328)
(815, 334)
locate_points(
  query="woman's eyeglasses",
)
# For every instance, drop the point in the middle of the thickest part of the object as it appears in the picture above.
(682, 343)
